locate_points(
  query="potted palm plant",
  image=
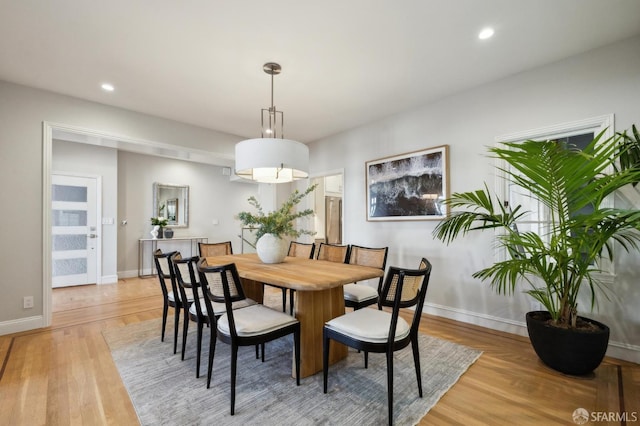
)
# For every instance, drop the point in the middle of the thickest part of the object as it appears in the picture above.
(556, 263)
(275, 225)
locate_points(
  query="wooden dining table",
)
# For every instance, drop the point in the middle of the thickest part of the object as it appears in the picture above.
(319, 296)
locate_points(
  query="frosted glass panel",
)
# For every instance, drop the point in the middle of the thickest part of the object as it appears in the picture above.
(69, 193)
(69, 218)
(69, 266)
(69, 242)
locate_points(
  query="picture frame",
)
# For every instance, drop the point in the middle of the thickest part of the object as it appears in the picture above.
(409, 186)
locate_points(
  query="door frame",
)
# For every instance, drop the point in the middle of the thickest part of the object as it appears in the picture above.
(325, 173)
(98, 217)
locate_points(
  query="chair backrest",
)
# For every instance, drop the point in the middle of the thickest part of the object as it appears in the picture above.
(221, 283)
(185, 276)
(333, 252)
(305, 250)
(164, 270)
(215, 249)
(211, 282)
(368, 256)
(404, 288)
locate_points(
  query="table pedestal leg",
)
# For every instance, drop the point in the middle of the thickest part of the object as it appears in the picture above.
(313, 309)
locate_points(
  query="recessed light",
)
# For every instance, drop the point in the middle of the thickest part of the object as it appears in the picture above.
(107, 87)
(486, 33)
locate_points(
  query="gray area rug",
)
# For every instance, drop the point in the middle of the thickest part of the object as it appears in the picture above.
(165, 391)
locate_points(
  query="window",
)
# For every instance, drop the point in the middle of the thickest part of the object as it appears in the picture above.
(578, 133)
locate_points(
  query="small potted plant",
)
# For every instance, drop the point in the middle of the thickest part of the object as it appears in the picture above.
(273, 226)
(555, 263)
(158, 226)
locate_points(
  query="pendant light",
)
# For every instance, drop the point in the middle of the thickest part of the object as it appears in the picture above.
(271, 158)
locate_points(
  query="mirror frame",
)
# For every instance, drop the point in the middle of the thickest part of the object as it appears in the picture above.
(184, 212)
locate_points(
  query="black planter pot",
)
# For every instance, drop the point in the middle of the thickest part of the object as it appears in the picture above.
(574, 352)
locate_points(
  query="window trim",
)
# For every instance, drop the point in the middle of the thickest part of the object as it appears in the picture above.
(595, 124)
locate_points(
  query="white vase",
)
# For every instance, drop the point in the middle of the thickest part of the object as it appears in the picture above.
(271, 249)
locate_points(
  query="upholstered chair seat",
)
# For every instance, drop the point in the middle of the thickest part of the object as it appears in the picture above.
(172, 297)
(219, 308)
(369, 325)
(255, 320)
(359, 293)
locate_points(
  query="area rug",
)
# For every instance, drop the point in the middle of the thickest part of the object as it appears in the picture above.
(165, 391)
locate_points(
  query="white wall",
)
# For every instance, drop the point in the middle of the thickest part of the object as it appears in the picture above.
(600, 82)
(95, 161)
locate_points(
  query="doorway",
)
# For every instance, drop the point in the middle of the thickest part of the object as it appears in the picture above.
(329, 208)
(75, 234)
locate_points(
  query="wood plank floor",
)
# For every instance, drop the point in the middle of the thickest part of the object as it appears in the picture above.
(64, 374)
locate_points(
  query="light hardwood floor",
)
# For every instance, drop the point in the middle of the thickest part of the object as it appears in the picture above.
(64, 374)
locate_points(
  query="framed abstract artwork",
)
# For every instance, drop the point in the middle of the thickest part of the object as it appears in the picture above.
(408, 186)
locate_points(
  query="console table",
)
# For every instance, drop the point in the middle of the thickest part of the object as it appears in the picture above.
(188, 246)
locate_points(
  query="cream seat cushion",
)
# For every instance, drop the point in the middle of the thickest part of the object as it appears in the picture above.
(255, 320)
(171, 297)
(220, 308)
(359, 292)
(369, 325)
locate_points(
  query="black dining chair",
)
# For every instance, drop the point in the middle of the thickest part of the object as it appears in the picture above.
(171, 298)
(187, 284)
(379, 331)
(333, 252)
(252, 325)
(204, 311)
(215, 249)
(359, 296)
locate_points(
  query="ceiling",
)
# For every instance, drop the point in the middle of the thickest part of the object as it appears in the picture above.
(345, 63)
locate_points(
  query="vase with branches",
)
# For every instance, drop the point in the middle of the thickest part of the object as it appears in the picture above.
(278, 223)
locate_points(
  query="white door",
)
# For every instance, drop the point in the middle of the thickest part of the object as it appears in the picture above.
(75, 231)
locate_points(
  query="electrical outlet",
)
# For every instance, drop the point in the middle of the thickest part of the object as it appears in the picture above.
(27, 302)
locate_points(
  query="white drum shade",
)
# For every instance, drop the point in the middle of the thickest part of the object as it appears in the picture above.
(272, 160)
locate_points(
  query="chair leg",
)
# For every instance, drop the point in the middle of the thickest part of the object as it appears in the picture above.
(199, 343)
(165, 311)
(212, 351)
(296, 341)
(185, 329)
(262, 349)
(366, 359)
(416, 361)
(284, 300)
(176, 325)
(291, 291)
(234, 362)
(325, 362)
(390, 384)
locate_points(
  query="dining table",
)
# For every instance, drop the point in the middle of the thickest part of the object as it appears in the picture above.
(319, 296)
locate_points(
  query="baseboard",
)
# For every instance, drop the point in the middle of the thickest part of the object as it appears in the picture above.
(624, 351)
(109, 279)
(616, 349)
(22, 324)
(482, 320)
(128, 274)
